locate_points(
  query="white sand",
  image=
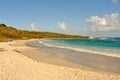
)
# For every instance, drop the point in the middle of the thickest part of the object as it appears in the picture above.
(16, 66)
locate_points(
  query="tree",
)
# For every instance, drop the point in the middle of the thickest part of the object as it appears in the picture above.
(3, 25)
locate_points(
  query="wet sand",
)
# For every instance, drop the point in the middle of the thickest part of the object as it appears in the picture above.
(97, 61)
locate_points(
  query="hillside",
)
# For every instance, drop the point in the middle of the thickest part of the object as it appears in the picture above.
(12, 33)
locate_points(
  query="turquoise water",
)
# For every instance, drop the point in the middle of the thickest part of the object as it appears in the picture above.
(104, 46)
(108, 43)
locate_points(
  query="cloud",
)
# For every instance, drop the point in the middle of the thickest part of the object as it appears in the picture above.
(33, 27)
(109, 22)
(62, 26)
(114, 1)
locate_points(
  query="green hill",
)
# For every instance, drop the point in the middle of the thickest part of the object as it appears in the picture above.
(12, 33)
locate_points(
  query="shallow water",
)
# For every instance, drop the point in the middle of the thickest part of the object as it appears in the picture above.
(104, 46)
(98, 61)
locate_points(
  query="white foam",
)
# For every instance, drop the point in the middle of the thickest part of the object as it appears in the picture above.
(103, 38)
(106, 52)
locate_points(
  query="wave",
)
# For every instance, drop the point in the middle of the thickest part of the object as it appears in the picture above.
(103, 38)
(100, 51)
(110, 39)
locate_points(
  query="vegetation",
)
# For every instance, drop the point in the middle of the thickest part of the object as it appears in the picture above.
(12, 33)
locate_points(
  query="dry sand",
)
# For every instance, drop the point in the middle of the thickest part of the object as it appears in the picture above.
(16, 66)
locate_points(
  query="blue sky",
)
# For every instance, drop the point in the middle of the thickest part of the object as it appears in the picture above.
(81, 17)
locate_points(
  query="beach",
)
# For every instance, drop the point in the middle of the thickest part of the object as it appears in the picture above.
(21, 62)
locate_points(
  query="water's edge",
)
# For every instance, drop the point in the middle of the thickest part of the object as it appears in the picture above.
(102, 62)
(69, 44)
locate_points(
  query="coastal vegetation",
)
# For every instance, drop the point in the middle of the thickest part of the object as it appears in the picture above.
(7, 32)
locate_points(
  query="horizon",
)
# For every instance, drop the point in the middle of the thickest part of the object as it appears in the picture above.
(96, 18)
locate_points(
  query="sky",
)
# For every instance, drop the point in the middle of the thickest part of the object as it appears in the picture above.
(99, 18)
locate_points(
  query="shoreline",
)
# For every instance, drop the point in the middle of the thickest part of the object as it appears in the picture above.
(97, 53)
(15, 65)
(90, 60)
(46, 57)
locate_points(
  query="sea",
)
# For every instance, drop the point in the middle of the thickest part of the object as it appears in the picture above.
(103, 46)
(99, 53)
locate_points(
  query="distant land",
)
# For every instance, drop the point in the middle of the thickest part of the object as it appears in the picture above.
(7, 32)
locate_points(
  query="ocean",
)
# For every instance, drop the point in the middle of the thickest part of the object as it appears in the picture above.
(100, 53)
(102, 46)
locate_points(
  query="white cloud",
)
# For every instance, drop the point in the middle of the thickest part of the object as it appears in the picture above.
(62, 26)
(33, 27)
(107, 23)
(114, 1)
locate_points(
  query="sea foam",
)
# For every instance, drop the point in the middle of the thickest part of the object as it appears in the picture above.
(89, 49)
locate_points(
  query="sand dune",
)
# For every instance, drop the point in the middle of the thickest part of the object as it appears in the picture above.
(16, 66)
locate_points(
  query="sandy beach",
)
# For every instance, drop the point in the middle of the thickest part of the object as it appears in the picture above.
(17, 64)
